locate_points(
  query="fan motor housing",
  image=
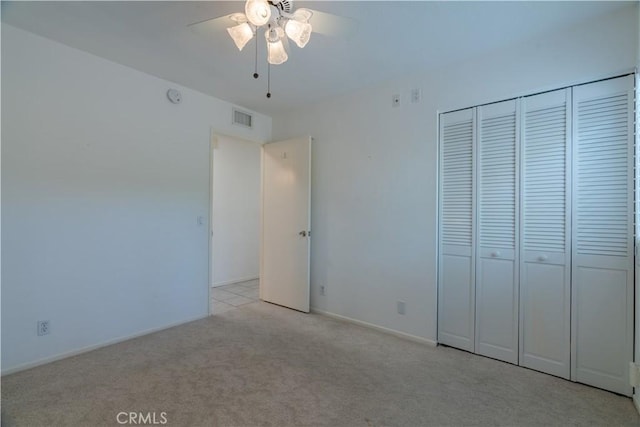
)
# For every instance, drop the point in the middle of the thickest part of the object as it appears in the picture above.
(285, 6)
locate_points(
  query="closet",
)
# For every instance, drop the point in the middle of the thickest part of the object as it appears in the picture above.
(536, 237)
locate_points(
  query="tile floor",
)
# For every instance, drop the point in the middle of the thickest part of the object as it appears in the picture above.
(230, 297)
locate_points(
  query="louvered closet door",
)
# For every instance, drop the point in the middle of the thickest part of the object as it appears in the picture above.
(496, 270)
(602, 250)
(456, 270)
(545, 257)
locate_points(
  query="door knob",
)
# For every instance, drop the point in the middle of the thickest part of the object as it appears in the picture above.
(303, 233)
(543, 258)
(495, 254)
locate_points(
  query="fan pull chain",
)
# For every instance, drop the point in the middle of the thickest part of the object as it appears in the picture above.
(268, 80)
(255, 68)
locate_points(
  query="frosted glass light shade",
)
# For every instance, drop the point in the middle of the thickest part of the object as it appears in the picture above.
(299, 32)
(302, 15)
(241, 34)
(258, 12)
(238, 18)
(276, 53)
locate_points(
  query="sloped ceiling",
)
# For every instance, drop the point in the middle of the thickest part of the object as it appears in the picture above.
(392, 38)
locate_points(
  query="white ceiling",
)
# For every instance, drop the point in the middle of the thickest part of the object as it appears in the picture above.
(393, 38)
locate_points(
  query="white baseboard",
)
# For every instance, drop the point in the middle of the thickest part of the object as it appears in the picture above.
(636, 400)
(231, 282)
(89, 348)
(376, 327)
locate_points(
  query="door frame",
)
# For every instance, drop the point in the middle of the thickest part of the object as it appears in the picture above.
(213, 142)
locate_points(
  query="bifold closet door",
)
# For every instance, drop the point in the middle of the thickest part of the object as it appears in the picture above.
(545, 249)
(456, 270)
(497, 258)
(602, 249)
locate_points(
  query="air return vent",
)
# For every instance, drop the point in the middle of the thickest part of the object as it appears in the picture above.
(243, 119)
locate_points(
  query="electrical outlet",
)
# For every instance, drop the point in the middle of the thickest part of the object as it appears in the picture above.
(323, 290)
(401, 307)
(43, 327)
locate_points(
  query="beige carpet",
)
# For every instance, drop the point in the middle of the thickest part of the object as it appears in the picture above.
(266, 365)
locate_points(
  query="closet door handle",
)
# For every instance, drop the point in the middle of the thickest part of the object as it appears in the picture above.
(543, 258)
(495, 254)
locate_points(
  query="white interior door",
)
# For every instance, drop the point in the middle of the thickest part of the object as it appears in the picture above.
(497, 258)
(456, 281)
(545, 257)
(286, 201)
(602, 250)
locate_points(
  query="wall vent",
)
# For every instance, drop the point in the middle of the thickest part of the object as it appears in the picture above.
(242, 118)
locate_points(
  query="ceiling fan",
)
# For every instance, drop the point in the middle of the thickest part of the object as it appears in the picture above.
(280, 23)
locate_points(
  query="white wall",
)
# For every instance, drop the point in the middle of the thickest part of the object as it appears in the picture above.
(236, 210)
(102, 183)
(374, 200)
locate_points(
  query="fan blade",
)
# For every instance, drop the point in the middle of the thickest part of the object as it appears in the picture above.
(213, 27)
(333, 25)
(321, 22)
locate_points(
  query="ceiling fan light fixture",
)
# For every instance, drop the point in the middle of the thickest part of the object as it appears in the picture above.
(281, 22)
(299, 32)
(258, 12)
(241, 34)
